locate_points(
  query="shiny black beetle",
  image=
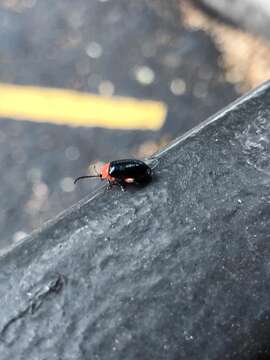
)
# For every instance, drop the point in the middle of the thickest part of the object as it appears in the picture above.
(122, 172)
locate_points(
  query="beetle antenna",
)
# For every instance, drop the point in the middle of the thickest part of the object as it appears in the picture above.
(86, 177)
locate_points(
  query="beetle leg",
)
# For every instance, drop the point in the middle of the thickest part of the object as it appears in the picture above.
(109, 185)
(112, 183)
(122, 186)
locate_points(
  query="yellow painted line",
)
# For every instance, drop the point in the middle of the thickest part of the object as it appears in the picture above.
(74, 108)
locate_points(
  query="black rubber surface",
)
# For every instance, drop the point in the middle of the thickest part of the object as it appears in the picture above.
(238, 13)
(178, 269)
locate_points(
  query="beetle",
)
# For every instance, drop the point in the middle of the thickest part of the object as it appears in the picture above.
(122, 172)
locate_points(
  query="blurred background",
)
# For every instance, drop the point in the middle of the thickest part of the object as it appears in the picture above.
(87, 81)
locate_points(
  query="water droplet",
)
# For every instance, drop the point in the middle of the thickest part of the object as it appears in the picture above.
(106, 88)
(178, 87)
(188, 336)
(144, 75)
(94, 50)
(67, 184)
(72, 153)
